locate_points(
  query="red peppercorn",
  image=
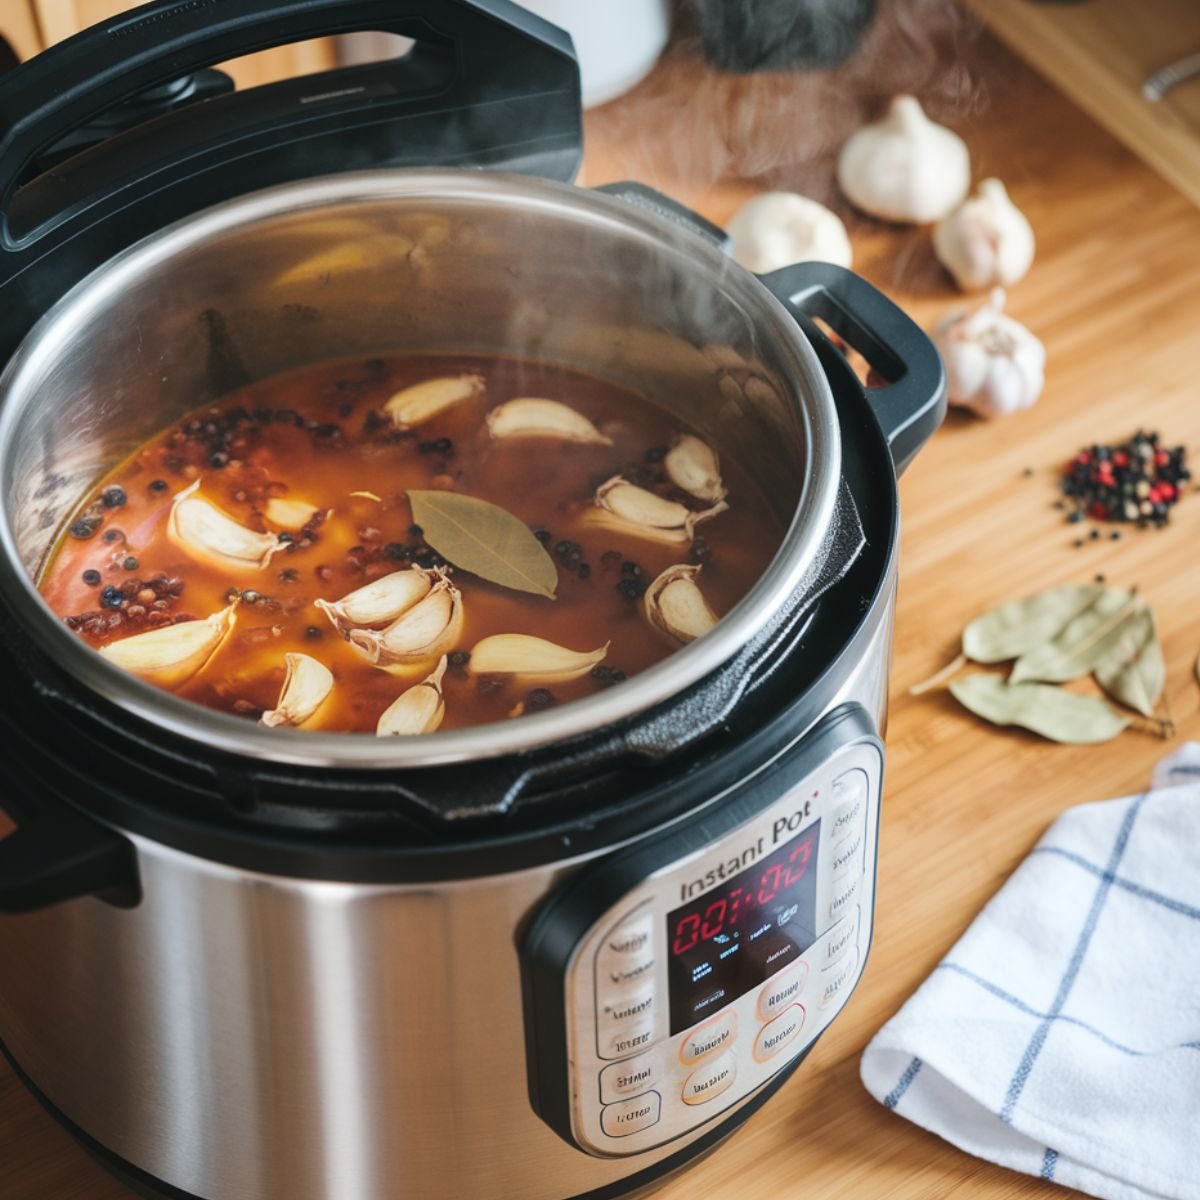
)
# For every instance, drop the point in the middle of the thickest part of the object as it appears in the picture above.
(1121, 458)
(1098, 511)
(1161, 458)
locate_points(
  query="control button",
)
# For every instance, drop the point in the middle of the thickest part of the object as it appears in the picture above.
(708, 1038)
(844, 896)
(620, 970)
(709, 1081)
(777, 1034)
(780, 990)
(628, 1078)
(836, 941)
(847, 855)
(837, 980)
(850, 794)
(623, 1041)
(633, 937)
(627, 1007)
(632, 1115)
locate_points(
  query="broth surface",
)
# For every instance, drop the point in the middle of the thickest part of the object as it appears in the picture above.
(319, 436)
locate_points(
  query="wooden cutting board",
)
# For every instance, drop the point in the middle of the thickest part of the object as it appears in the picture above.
(1114, 296)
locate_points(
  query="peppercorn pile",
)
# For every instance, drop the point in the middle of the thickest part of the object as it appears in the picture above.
(1137, 481)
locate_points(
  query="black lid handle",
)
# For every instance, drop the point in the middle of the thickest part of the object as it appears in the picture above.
(912, 405)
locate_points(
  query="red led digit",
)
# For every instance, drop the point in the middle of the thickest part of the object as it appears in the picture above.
(770, 881)
(714, 919)
(803, 852)
(687, 934)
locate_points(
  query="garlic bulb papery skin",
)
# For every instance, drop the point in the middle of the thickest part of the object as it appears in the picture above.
(777, 229)
(994, 365)
(905, 167)
(986, 241)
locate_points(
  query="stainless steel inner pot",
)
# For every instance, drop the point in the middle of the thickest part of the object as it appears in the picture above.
(388, 262)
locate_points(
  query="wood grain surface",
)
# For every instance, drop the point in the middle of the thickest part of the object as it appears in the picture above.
(1113, 294)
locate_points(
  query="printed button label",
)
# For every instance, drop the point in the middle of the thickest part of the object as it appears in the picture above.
(779, 991)
(628, 1078)
(842, 937)
(621, 1042)
(632, 1115)
(836, 981)
(708, 1038)
(617, 1010)
(708, 1082)
(777, 1034)
(843, 899)
(631, 938)
(620, 970)
(847, 854)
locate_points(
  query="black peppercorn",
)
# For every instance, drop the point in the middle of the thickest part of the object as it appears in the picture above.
(130, 564)
(312, 633)
(113, 497)
(159, 485)
(84, 527)
(91, 577)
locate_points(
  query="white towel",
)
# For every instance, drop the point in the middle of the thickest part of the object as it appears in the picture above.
(1061, 1035)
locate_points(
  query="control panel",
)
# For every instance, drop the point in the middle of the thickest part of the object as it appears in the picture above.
(709, 975)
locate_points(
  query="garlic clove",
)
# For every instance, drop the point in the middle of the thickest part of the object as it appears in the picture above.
(994, 365)
(172, 654)
(289, 514)
(693, 466)
(420, 709)
(987, 240)
(905, 167)
(426, 630)
(675, 604)
(624, 506)
(209, 535)
(422, 402)
(379, 602)
(529, 416)
(306, 686)
(530, 657)
(778, 229)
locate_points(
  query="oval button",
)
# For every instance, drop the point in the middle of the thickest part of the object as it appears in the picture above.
(777, 1034)
(631, 1116)
(706, 1039)
(780, 990)
(709, 1081)
(847, 854)
(837, 980)
(628, 1078)
(623, 1041)
(617, 1009)
(631, 938)
(842, 937)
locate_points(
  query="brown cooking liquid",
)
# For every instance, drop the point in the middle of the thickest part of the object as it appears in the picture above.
(317, 435)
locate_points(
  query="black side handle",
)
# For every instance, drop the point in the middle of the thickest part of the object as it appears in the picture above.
(911, 407)
(57, 853)
(488, 84)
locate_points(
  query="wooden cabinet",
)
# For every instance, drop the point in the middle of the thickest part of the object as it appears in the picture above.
(30, 25)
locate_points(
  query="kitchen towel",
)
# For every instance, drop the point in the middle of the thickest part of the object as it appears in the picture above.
(1061, 1034)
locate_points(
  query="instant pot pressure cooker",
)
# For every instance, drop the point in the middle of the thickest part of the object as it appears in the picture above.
(557, 957)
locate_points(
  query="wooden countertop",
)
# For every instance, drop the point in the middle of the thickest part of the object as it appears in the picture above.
(1113, 294)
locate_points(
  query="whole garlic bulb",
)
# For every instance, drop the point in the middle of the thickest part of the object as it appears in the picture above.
(777, 229)
(994, 365)
(905, 168)
(987, 240)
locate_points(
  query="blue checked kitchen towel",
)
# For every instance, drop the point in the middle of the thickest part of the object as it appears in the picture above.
(1061, 1035)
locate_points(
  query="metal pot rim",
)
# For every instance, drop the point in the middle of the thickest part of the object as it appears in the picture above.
(654, 686)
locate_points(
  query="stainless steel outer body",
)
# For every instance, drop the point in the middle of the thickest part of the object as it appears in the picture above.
(250, 1037)
(409, 261)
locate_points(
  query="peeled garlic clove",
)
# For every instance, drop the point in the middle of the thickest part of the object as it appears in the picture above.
(210, 535)
(172, 654)
(529, 416)
(289, 514)
(625, 506)
(379, 602)
(986, 240)
(905, 168)
(422, 402)
(532, 658)
(418, 710)
(692, 465)
(675, 604)
(306, 686)
(994, 365)
(427, 629)
(777, 229)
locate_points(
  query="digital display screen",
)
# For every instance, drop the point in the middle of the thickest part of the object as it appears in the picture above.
(737, 935)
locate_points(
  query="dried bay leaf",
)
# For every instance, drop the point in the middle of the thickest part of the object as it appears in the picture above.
(484, 539)
(1052, 712)
(1020, 626)
(1134, 671)
(1087, 640)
